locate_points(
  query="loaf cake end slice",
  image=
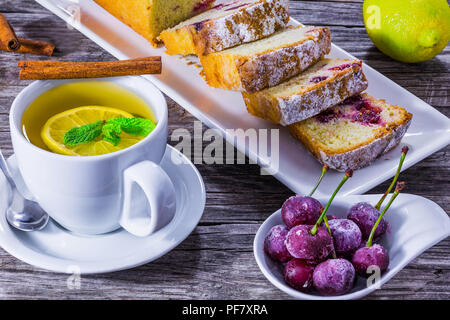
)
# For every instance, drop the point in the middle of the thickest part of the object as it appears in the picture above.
(353, 134)
(150, 17)
(226, 25)
(267, 62)
(325, 84)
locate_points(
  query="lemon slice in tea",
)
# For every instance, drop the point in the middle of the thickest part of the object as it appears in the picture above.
(54, 129)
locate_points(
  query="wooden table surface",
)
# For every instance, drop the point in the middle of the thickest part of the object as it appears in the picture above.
(216, 261)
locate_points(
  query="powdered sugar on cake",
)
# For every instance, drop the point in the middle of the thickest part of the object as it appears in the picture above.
(273, 67)
(342, 141)
(320, 95)
(227, 25)
(249, 23)
(365, 155)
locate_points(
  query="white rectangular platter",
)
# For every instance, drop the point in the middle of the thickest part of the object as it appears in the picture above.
(222, 110)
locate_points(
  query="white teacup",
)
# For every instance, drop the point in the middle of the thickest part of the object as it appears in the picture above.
(98, 194)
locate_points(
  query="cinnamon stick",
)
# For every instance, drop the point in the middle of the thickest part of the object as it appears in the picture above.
(8, 37)
(44, 70)
(42, 48)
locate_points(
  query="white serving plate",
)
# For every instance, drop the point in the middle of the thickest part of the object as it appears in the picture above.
(220, 109)
(415, 224)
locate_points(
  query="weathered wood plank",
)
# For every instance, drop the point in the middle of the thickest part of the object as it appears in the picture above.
(186, 272)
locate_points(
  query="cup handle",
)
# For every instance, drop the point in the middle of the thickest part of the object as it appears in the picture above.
(160, 193)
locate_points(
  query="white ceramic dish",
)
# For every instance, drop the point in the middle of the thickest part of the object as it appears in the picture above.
(416, 224)
(56, 249)
(429, 131)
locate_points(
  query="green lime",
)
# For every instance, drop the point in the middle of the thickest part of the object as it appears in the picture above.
(408, 30)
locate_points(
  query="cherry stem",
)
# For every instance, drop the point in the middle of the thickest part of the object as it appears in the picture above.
(324, 170)
(348, 174)
(398, 189)
(325, 220)
(333, 254)
(402, 159)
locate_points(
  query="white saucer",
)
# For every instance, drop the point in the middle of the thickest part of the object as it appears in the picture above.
(59, 250)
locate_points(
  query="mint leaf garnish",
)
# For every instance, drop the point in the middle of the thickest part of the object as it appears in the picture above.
(134, 126)
(111, 133)
(110, 130)
(83, 134)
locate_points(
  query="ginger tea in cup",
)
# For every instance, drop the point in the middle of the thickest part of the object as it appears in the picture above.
(87, 119)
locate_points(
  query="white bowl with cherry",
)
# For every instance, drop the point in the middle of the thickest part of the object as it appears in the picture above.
(346, 247)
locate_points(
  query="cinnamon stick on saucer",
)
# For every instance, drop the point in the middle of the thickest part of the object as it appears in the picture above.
(44, 70)
(42, 48)
(8, 37)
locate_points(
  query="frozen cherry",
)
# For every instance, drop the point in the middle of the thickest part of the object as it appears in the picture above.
(365, 216)
(374, 255)
(303, 210)
(346, 234)
(274, 244)
(334, 277)
(314, 242)
(303, 245)
(300, 210)
(365, 257)
(298, 274)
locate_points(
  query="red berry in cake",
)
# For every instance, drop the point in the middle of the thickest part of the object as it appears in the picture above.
(199, 25)
(345, 66)
(300, 210)
(347, 236)
(299, 274)
(202, 6)
(334, 277)
(364, 111)
(318, 79)
(329, 115)
(367, 114)
(274, 244)
(357, 109)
